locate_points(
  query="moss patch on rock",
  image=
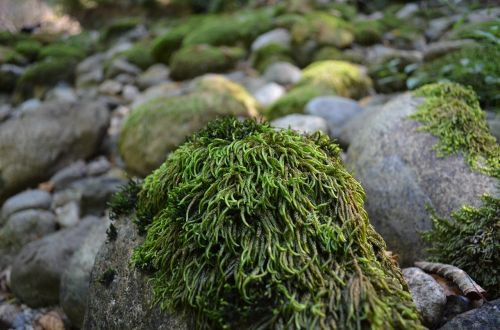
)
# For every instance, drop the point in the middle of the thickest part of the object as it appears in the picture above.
(472, 66)
(270, 54)
(48, 72)
(28, 48)
(452, 113)
(118, 27)
(139, 55)
(60, 50)
(192, 61)
(470, 240)
(368, 32)
(157, 127)
(249, 227)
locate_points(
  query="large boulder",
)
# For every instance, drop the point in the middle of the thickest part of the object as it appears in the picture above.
(37, 269)
(486, 317)
(119, 295)
(402, 172)
(35, 146)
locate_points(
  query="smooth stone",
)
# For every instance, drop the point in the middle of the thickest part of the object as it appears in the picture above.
(75, 280)
(486, 317)
(428, 295)
(440, 48)
(407, 11)
(277, 36)
(337, 111)
(98, 166)
(62, 93)
(37, 269)
(68, 215)
(154, 75)
(302, 123)
(110, 87)
(70, 173)
(130, 92)
(28, 106)
(269, 93)
(56, 135)
(29, 199)
(283, 73)
(493, 120)
(120, 65)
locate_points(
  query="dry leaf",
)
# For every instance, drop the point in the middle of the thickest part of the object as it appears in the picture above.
(51, 321)
(470, 289)
(48, 186)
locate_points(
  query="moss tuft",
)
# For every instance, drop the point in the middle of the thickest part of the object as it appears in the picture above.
(343, 78)
(139, 55)
(28, 48)
(368, 32)
(257, 228)
(471, 66)
(123, 202)
(48, 72)
(192, 61)
(470, 240)
(452, 113)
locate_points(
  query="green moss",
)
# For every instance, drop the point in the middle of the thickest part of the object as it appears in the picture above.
(326, 30)
(391, 75)
(295, 101)
(270, 54)
(48, 72)
(368, 32)
(452, 113)
(118, 27)
(192, 61)
(58, 51)
(486, 31)
(166, 44)
(241, 28)
(139, 55)
(122, 202)
(28, 48)
(471, 66)
(156, 128)
(343, 78)
(470, 240)
(256, 228)
(333, 53)
(9, 55)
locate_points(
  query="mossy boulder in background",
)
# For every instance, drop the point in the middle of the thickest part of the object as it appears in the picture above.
(250, 227)
(269, 54)
(28, 48)
(368, 32)
(431, 148)
(139, 55)
(157, 127)
(320, 79)
(472, 66)
(193, 61)
(118, 27)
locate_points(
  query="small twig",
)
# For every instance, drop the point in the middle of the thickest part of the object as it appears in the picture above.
(471, 289)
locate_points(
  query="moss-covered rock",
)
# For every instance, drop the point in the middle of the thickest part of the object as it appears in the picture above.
(248, 227)
(193, 61)
(28, 48)
(139, 55)
(9, 55)
(471, 66)
(324, 29)
(295, 101)
(391, 74)
(118, 27)
(487, 31)
(333, 53)
(470, 240)
(368, 32)
(269, 54)
(237, 29)
(157, 127)
(343, 78)
(60, 50)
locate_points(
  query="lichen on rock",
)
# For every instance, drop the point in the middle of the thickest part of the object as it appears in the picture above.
(250, 227)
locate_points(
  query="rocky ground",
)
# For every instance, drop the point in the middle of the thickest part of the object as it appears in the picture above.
(82, 113)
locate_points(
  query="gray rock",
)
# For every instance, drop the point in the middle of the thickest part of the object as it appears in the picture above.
(427, 294)
(28, 107)
(440, 48)
(269, 93)
(68, 215)
(29, 199)
(8, 313)
(118, 48)
(283, 73)
(95, 192)
(120, 65)
(486, 317)
(98, 166)
(90, 64)
(110, 87)
(37, 269)
(120, 296)
(91, 78)
(5, 111)
(438, 26)
(154, 75)
(62, 93)
(130, 92)
(125, 79)
(76, 278)
(277, 36)
(65, 176)
(168, 89)
(381, 54)
(493, 120)
(20, 229)
(302, 123)
(53, 137)
(402, 174)
(337, 111)
(407, 11)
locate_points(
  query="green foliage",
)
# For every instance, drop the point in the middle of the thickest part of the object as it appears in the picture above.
(60, 50)
(241, 28)
(122, 203)
(257, 228)
(488, 31)
(28, 48)
(452, 113)
(192, 61)
(333, 53)
(211, 6)
(391, 75)
(295, 101)
(118, 27)
(470, 241)
(343, 78)
(270, 54)
(473, 66)
(368, 32)
(48, 72)
(9, 55)
(325, 29)
(140, 55)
